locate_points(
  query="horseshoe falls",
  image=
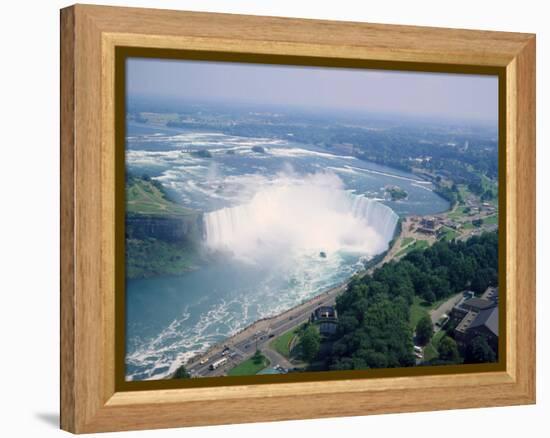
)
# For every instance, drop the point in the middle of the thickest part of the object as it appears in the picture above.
(301, 217)
(282, 227)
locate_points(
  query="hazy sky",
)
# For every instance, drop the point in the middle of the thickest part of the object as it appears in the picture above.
(441, 94)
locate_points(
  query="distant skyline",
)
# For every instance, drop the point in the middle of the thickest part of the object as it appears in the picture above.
(473, 97)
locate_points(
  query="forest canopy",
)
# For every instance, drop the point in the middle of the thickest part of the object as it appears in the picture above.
(374, 311)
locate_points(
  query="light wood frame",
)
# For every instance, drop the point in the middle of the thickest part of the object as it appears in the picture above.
(89, 36)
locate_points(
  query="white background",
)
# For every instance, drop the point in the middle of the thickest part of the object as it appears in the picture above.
(29, 218)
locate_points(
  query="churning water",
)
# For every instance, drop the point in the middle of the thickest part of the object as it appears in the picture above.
(268, 216)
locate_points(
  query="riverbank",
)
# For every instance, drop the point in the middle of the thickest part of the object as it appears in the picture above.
(258, 335)
(243, 344)
(162, 237)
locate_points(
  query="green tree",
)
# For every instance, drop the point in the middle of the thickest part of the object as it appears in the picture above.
(484, 278)
(448, 349)
(424, 330)
(477, 222)
(479, 351)
(374, 311)
(181, 373)
(310, 342)
(258, 357)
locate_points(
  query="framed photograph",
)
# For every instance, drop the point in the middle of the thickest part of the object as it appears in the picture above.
(270, 218)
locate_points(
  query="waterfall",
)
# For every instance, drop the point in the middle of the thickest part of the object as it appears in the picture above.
(286, 218)
(379, 216)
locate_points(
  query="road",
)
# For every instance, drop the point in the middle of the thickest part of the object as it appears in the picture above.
(275, 358)
(437, 313)
(243, 345)
(445, 308)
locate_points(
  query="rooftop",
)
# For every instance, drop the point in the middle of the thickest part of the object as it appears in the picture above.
(466, 321)
(490, 294)
(487, 318)
(479, 303)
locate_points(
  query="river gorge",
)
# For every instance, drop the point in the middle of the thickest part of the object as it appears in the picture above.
(281, 222)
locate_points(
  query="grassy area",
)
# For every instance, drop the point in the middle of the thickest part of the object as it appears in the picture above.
(430, 351)
(459, 213)
(419, 308)
(418, 244)
(492, 185)
(406, 241)
(448, 234)
(491, 220)
(146, 196)
(437, 337)
(249, 367)
(281, 344)
(148, 252)
(463, 190)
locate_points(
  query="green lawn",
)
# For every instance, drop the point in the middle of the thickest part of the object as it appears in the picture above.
(488, 184)
(419, 308)
(281, 344)
(458, 213)
(148, 197)
(491, 220)
(417, 311)
(249, 367)
(448, 234)
(419, 244)
(437, 337)
(406, 241)
(464, 191)
(429, 352)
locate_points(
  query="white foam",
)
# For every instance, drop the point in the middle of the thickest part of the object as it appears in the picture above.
(310, 214)
(391, 175)
(292, 152)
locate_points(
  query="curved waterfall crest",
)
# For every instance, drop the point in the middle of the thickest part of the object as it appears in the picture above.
(301, 218)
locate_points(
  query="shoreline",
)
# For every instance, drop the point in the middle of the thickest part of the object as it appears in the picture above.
(331, 293)
(262, 325)
(261, 328)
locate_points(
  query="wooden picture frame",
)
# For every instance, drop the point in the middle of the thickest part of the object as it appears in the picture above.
(91, 399)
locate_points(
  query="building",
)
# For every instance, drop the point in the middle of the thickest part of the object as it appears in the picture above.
(429, 226)
(482, 323)
(325, 312)
(327, 317)
(491, 294)
(477, 316)
(471, 303)
(477, 304)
